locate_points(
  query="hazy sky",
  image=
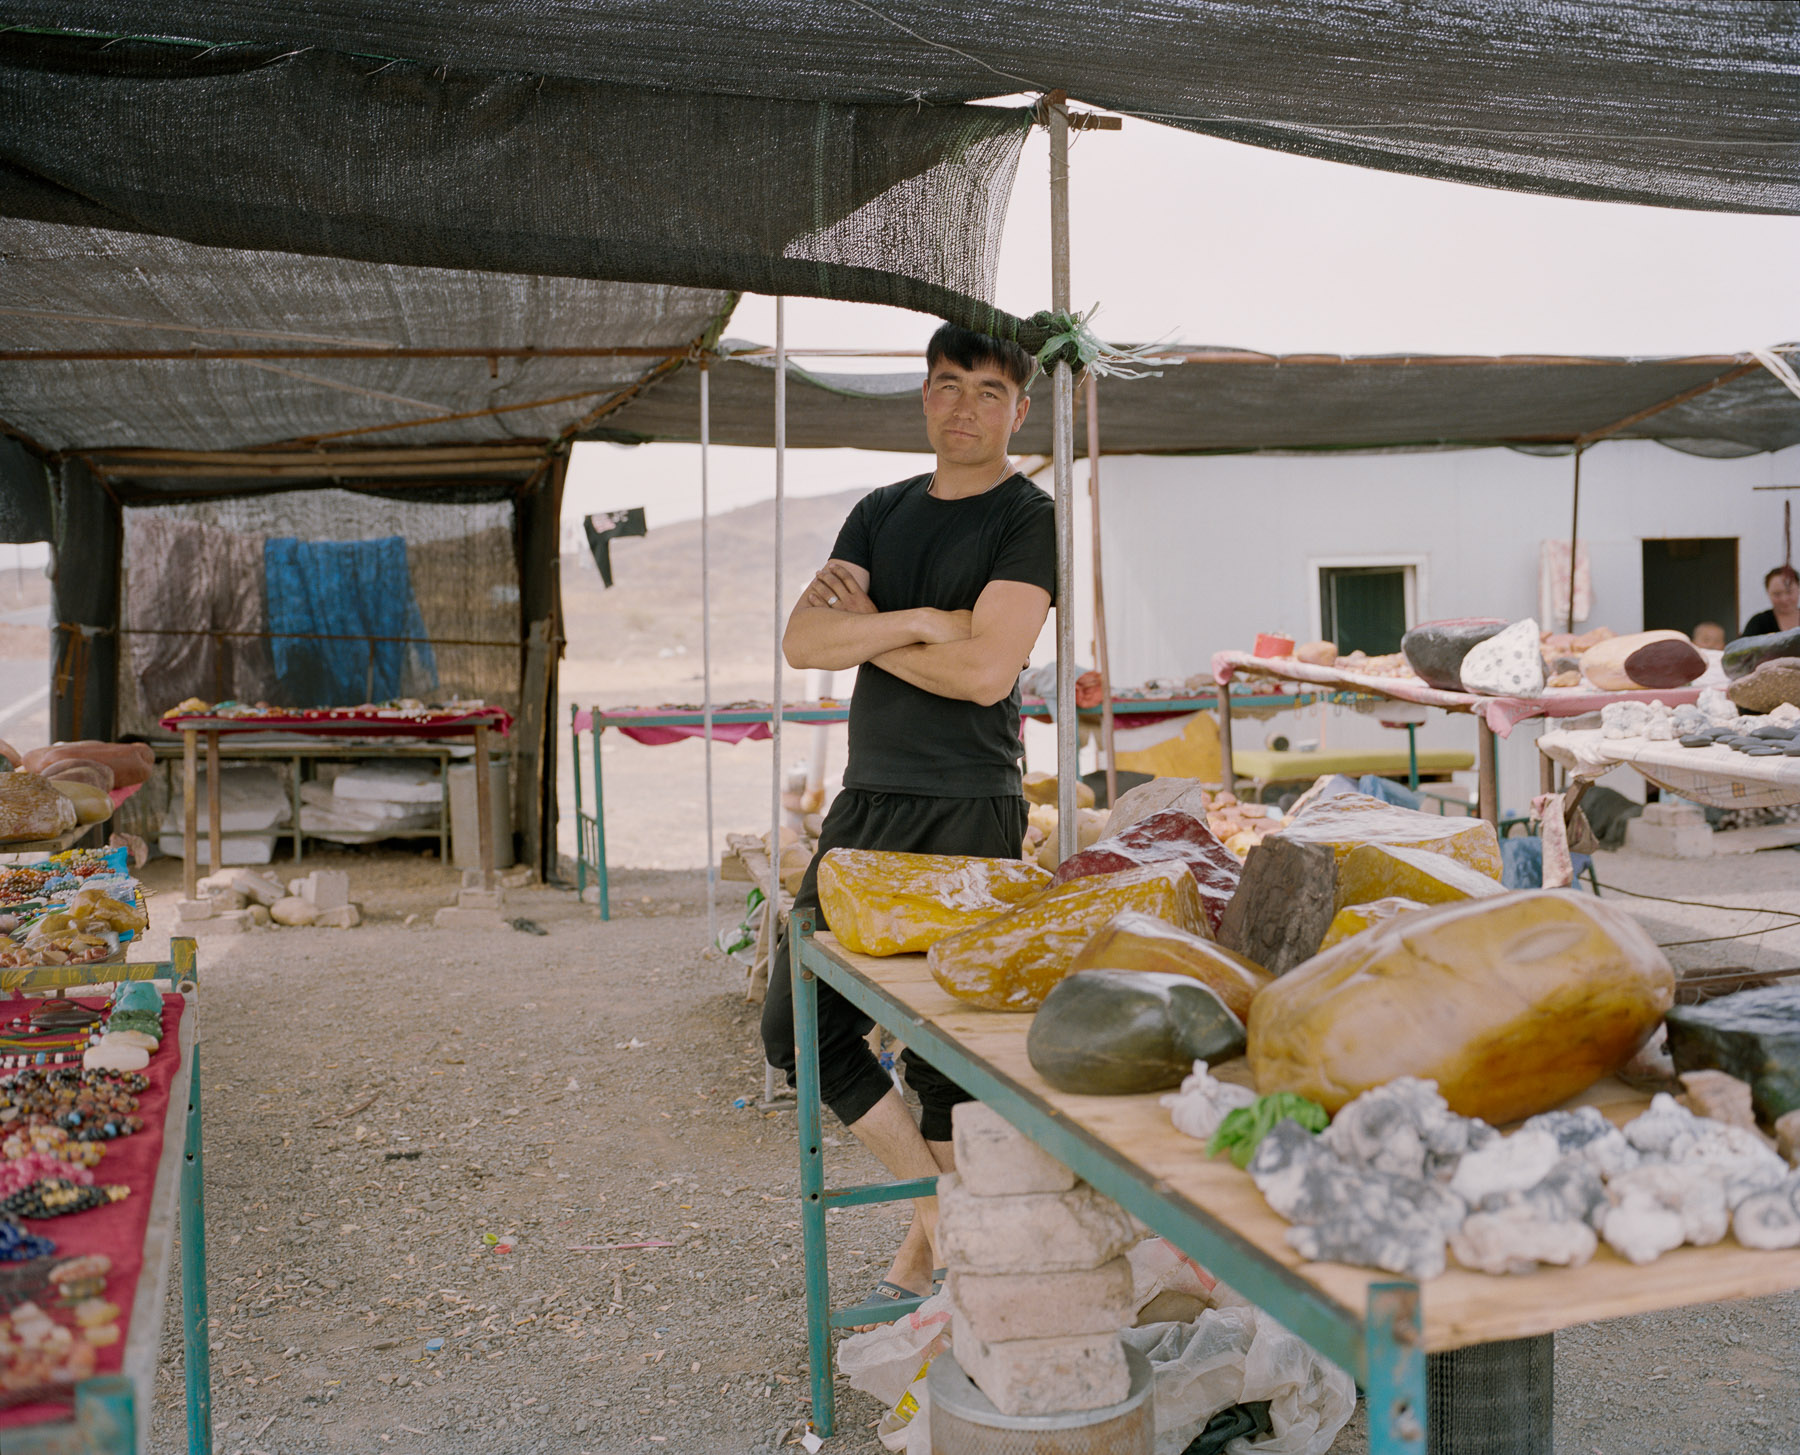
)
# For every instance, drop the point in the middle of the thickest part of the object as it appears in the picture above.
(1185, 237)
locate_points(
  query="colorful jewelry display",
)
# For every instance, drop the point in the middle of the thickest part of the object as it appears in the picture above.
(19, 1246)
(56, 1197)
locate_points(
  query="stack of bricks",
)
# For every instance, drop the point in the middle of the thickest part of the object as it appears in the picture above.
(1039, 1285)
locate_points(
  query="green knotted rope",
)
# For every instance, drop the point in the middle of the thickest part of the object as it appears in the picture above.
(1071, 341)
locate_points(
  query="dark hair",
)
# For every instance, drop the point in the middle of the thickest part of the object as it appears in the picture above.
(1788, 571)
(970, 350)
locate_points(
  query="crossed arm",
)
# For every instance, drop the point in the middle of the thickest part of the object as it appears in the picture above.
(976, 655)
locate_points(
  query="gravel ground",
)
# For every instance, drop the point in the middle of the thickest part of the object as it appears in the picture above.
(370, 1126)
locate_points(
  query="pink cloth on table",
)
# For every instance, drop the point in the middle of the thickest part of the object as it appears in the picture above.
(723, 732)
(353, 721)
(117, 1229)
(1502, 714)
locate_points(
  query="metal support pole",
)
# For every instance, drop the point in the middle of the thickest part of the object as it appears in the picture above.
(1102, 656)
(484, 806)
(215, 852)
(812, 1175)
(1395, 1387)
(706, 705)
(600, 831)
(190, 807)
(106, 1415)
(1574, 535)
(1068, 742)
(580, 828)
(1412, 756)
(196, 1325)
(775, 776)
(1487, 770)
(1227, 777)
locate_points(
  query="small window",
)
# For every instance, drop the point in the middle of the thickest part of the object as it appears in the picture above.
(1365, 608)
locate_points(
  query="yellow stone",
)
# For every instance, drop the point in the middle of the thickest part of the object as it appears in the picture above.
(1194, 754)
(1512, 1005)
(902, 904)
(1379, 871)
(1351, 819)
(1011, 963)
(1353, 919)
(1137, 941)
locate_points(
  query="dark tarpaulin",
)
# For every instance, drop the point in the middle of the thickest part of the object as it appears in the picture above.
(307, 151)
(65, 287)
(24, 494)
(1656, 101)
(1202, 407)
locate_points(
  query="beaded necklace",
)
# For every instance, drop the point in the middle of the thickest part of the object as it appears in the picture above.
(55, 1197)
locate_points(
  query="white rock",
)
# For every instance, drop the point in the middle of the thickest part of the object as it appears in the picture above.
(1785, 714)
(1587, 1134)
(110, 1055)
(1624, 719)
(293, 911)
(1203, 1102)
(1508, 1164)
(1515, 1240)
(1690, 1190)
(344, 917)
(326, 889)
(1510, 663)
(1405, 1128)
(1770, 1219)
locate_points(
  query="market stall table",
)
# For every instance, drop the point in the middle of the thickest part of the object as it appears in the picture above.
(110, 1414)
(1714, 775)
(741, 722)
(1375, 1325)
(1494, 715)
(339, 724)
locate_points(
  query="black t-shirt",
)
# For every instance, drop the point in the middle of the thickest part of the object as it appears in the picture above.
(1761, 624)
(922, 551)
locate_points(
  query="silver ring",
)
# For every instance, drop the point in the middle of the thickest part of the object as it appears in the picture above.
(831, 601)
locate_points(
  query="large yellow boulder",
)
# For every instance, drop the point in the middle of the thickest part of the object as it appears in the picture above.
(1382, 871)
(1011, 962)
(1137, 941)
(902, 904)
(1353, 919)
(1512, 1005)
(1351, 819)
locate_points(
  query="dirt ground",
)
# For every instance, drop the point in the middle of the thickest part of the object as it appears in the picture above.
(367, 1133)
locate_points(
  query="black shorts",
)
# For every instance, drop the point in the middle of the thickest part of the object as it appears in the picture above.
(851, 1080)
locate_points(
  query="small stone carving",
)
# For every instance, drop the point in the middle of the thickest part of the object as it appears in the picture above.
(1770, 1219)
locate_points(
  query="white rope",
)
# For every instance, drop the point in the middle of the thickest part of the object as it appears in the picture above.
(1771, 359)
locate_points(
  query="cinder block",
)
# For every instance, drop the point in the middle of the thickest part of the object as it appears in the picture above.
(344, 917)
(455, 917)
(190, 910)
(326, 889)
(1043, 1376)
(263, 889)
(230, 922)
(226, 900)
(1002, 1306)
(1669, 841)
(995, 1159)
(1673, 815)
(1040, 1232)
(480, 898)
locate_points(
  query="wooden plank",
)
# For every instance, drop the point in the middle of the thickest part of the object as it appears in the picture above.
(1461, 1307)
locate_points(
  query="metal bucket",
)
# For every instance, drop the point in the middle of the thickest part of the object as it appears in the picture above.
(1493, 1399)
(965, 1422)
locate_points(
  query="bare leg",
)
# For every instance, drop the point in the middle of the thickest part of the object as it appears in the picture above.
(888, 1130)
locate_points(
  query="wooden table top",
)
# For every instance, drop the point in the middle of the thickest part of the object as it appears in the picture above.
(1461, 1307)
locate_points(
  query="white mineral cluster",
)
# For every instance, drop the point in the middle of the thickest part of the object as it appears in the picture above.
(1399, 1178)
(1204, 1101)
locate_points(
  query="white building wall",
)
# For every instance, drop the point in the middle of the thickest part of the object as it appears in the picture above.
(1201, 553)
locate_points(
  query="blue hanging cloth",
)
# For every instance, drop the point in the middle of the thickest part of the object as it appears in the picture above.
(342, 589)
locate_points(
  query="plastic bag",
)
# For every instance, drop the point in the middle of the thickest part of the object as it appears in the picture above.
(890, 1363)
(1238, 1355)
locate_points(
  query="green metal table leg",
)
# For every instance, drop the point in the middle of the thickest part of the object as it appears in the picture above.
(196, 1326)
(1412, 756)
(1395, 1388)
(106, 1415)
(812, 1175)
(580, 834)
(600, 830)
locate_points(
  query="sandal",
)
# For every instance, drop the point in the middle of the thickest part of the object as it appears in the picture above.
(889, 1292)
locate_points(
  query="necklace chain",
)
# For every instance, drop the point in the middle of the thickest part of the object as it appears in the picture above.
(1006, 468)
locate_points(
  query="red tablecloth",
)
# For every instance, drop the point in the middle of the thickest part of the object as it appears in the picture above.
(116, 1230)
(361, 722)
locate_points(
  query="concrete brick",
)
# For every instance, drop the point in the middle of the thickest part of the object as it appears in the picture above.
(263, 889)
(995, 1159)
(455, 917)
(1043, 1376)
(1002, 1306)
(230, 922)
(326, 889)
(344, 917)
(226, 900)
(1040, 1232)
(517, 877)
(190, 910)
(1673, 815)
(492, 899)
(1669, 841)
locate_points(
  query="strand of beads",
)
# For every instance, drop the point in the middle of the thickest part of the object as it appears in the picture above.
(56, 1197)
(19, 1246)
(36, 1167)
(52, 1140)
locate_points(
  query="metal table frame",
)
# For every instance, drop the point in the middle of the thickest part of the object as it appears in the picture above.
(1382, 1345)
(111, 1414)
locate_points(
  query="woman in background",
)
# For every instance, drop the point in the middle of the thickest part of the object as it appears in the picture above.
(1783, 586)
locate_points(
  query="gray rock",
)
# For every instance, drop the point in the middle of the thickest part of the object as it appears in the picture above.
(1407, 1129)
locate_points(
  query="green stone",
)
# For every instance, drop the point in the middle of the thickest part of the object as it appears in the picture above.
(1119, 1032)
(1753, 1035)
